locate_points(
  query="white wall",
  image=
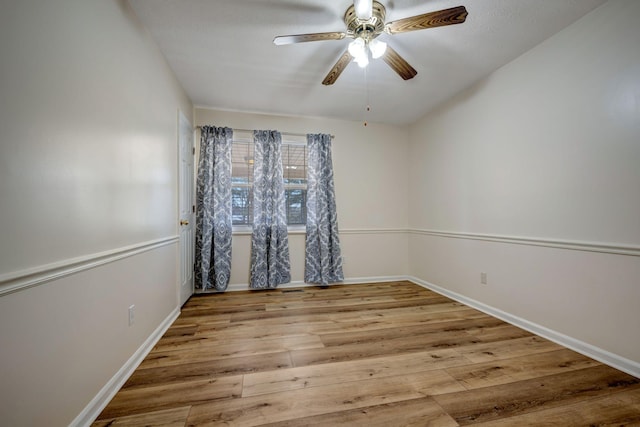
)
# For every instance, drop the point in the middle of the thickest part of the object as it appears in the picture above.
(370, 172)
(543, 154)
(88, 190)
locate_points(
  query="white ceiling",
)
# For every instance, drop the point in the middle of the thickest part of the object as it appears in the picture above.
(223, 55)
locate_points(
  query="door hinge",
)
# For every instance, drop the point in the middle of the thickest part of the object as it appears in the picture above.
(193, 150)
(193, 208)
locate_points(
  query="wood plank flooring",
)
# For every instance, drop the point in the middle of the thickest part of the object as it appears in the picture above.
(380, 354)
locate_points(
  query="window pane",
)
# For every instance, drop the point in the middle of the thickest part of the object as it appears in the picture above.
(241, 205)
(294, 168)
(296, 201)
(242, 183)
(294, 162)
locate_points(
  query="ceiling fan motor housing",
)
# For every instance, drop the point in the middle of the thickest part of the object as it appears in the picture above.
(367, 29)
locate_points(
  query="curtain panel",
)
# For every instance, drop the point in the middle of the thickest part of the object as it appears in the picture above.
(269, 242)
(213, 210)
(323, 259)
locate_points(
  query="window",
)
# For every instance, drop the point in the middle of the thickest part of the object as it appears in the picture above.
(242, 183)
(294, 168)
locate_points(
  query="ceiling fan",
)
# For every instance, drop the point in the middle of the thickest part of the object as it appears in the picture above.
(365, 22)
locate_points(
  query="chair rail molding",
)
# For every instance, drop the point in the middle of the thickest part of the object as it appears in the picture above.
(17, 281)
(373, 230)
(576, 245)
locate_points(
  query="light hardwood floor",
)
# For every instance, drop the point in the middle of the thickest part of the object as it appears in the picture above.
(380, 354)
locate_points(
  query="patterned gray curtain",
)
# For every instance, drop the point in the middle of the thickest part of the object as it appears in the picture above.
(213, 210)
(323, 260)
(269, 242)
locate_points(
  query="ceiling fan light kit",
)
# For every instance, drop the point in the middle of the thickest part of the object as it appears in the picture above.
(358, 50)
(364, 9)
(365, 22)
(377, 48)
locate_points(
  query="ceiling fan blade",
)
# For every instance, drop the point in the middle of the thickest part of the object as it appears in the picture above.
(399, 65)
(313, 37)
(455, 15)
(337, 69)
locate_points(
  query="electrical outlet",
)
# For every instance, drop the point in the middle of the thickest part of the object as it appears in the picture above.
(483, 278)
(132, 314)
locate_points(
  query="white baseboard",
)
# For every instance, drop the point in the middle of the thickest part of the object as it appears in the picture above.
(374, 279)
(604, 356)
(100, 401)
(104, 396)
(300, 284)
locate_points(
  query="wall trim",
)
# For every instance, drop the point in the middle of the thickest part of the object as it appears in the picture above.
(104, 396)
(246, 231)
(373, 231)
(20, 280)
(623, 364)
(300, 284)
(373, 279)
(575, 245)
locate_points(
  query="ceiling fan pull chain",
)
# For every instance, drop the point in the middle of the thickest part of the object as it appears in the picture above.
(366, 88)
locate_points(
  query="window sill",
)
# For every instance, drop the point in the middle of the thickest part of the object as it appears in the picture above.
(246, 231)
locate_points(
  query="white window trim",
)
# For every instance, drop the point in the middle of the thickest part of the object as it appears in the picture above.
(247, 230)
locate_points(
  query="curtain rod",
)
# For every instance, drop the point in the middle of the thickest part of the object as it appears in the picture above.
(283, 133)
